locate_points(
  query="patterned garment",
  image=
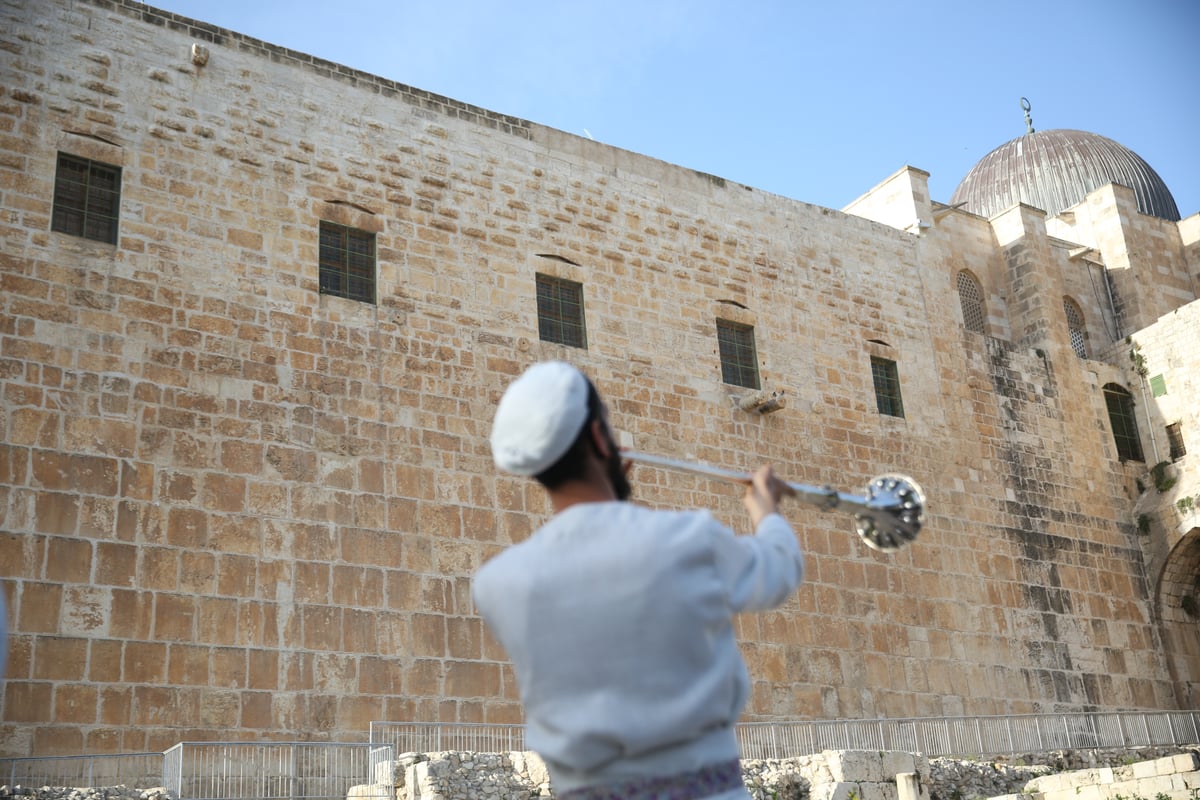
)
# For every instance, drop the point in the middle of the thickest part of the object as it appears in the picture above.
(704, 782)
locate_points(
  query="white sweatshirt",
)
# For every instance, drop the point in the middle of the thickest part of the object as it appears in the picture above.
(618, 622)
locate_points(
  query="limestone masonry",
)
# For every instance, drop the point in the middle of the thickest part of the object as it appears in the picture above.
(257, 310)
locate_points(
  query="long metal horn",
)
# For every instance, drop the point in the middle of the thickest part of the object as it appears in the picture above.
(887, 518)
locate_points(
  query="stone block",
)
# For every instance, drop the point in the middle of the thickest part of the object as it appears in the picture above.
(856, 765)
(79, 473)
(896, 762)
(908, 786)
(1070, 781)
(1148, 769)
(1185, 762)
(75, 704)
(116, 564)
(69, 560)
(56, 512)
(834, 791)
(877, 791)
(104, 665)
(187, 665)
(1149, 787)
(472, 679)
(63, 659)
(529, 766)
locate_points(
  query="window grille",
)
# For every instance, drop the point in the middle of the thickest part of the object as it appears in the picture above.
(739, 361)
(1124, 425)
(560, 311)
(887, 387)
(1175, 441)
(970, 296)
(347, 262)
(1076, 327)
(87, 199)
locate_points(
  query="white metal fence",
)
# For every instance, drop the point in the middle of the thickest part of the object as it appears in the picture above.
(327, 771)
(135, 770)
(438, 737)
(277, 770)
(950, 736)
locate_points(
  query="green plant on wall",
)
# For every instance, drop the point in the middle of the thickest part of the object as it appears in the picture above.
(1136, 358)
(1186, 505)
(1143, 523)
(1162, 480)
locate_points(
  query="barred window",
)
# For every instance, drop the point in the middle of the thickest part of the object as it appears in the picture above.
(970, 297)
(1124, 424)
(347, 262)
(1076, 327)
(560, 311)
(887, 387)
(87, 198)
(1175, 441)
(739, 361)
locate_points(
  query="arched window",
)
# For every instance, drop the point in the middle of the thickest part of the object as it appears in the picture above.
(1076, 327)
(1124, 425)
(971, 298)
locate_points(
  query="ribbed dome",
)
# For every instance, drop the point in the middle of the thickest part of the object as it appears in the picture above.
(1053, 170)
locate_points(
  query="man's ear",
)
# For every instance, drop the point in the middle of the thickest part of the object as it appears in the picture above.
(600, 442)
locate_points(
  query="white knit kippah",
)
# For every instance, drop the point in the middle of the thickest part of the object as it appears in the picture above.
(539, 417)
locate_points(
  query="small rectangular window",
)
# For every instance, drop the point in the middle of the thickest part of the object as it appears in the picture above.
(739, 361)
(1175, 441)
(87, 199)
(887, 387)
(560, 311)
(1158, 385)
(347, 262)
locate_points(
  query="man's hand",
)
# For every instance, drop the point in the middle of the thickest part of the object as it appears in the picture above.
(763, 494)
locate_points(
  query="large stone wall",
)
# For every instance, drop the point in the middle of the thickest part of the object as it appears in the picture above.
(232, 506)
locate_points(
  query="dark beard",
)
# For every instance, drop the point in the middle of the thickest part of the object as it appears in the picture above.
(614, 467)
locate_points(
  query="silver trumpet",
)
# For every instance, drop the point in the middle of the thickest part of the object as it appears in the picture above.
(888, 518)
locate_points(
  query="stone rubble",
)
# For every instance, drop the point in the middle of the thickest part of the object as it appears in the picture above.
(96, 793)
(821, 776)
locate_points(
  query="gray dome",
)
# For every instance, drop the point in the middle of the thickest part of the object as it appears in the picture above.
(1053, 170)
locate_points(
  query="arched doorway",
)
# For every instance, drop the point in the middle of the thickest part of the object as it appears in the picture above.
(1178, 608)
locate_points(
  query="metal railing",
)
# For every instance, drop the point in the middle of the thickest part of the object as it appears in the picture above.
(438, 737)
(932, 737)
(278, 771)
(135, 770)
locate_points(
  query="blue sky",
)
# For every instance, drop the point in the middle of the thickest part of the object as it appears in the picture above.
(818, 101)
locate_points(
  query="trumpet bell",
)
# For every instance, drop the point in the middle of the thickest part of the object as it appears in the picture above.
(894, 513)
